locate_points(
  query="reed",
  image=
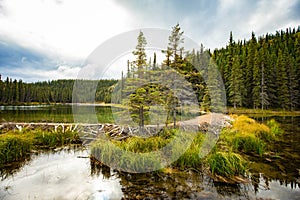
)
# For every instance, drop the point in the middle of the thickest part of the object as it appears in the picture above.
(226, 164)
(191, 157)
(112, 152)
(246, 136)
(249, 136)
(274, 128)
(12, 148)
(14, 145)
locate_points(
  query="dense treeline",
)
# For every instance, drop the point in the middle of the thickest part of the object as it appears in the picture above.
(13, 92)
(263, 72)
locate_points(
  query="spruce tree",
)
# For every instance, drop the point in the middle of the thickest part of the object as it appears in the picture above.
(249, 70)
(236, 83)
(140, 54)
(282, 81)
(256, 90)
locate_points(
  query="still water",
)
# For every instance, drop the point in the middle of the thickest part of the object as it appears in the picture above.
(68, 173)
(52, 113)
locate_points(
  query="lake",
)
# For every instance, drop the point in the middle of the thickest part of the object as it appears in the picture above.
(67, 174)
(51, 113)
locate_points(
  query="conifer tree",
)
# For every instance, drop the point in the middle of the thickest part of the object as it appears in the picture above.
(140, 54)
(256, 90)
(235, 83)
(282, 81)
(249, 70)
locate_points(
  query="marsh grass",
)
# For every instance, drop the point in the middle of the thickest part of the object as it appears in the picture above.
(227, 164)
(13, 148)
(246, 136)
(191, 157)
(112, 154)
(53, 139)
(249, 136)
(274, 128)
(14, 145)
(144, 147)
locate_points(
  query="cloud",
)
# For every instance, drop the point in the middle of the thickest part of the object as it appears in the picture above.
(42, 37)
(71, 28)
(210, 22)
(27, 64)
(29, 74)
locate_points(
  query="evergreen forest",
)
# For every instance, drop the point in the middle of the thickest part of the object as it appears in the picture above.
(261, 73)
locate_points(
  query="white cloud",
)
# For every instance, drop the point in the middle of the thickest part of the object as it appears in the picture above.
(271, 15)
(67, 31)
(72, 28)
(33, 75)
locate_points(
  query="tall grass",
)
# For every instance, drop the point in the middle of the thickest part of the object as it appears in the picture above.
(15, 145)
(191, 157)
(143, 153)
(226, 164)
(249, 136)
(53, 139)
(13, 148)
(246, 136)
(274, 128)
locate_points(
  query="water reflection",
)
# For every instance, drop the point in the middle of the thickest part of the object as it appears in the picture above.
(52, 113)
(59, 175)
(176, 185)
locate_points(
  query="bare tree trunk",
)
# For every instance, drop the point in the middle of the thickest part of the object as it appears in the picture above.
(141, 113)
(174, 116)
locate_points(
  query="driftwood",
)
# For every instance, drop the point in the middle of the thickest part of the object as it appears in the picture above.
(90, 132)
(87, 132)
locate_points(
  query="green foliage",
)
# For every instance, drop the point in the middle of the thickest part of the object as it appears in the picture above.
(53, 139)
(248, 136)
(227, 164)
(140, 54)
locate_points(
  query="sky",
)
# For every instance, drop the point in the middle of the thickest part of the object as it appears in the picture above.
(51, 39)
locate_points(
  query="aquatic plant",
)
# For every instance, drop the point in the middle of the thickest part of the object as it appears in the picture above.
(14, 145)
(274, 127)
(191, 157)
(53, 139)
(111, 152)
(249, 136)
(226, 163)
(246, 136)
(12, 148)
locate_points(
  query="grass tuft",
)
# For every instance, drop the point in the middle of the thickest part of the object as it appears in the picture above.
(226, 164)
(15, 145)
